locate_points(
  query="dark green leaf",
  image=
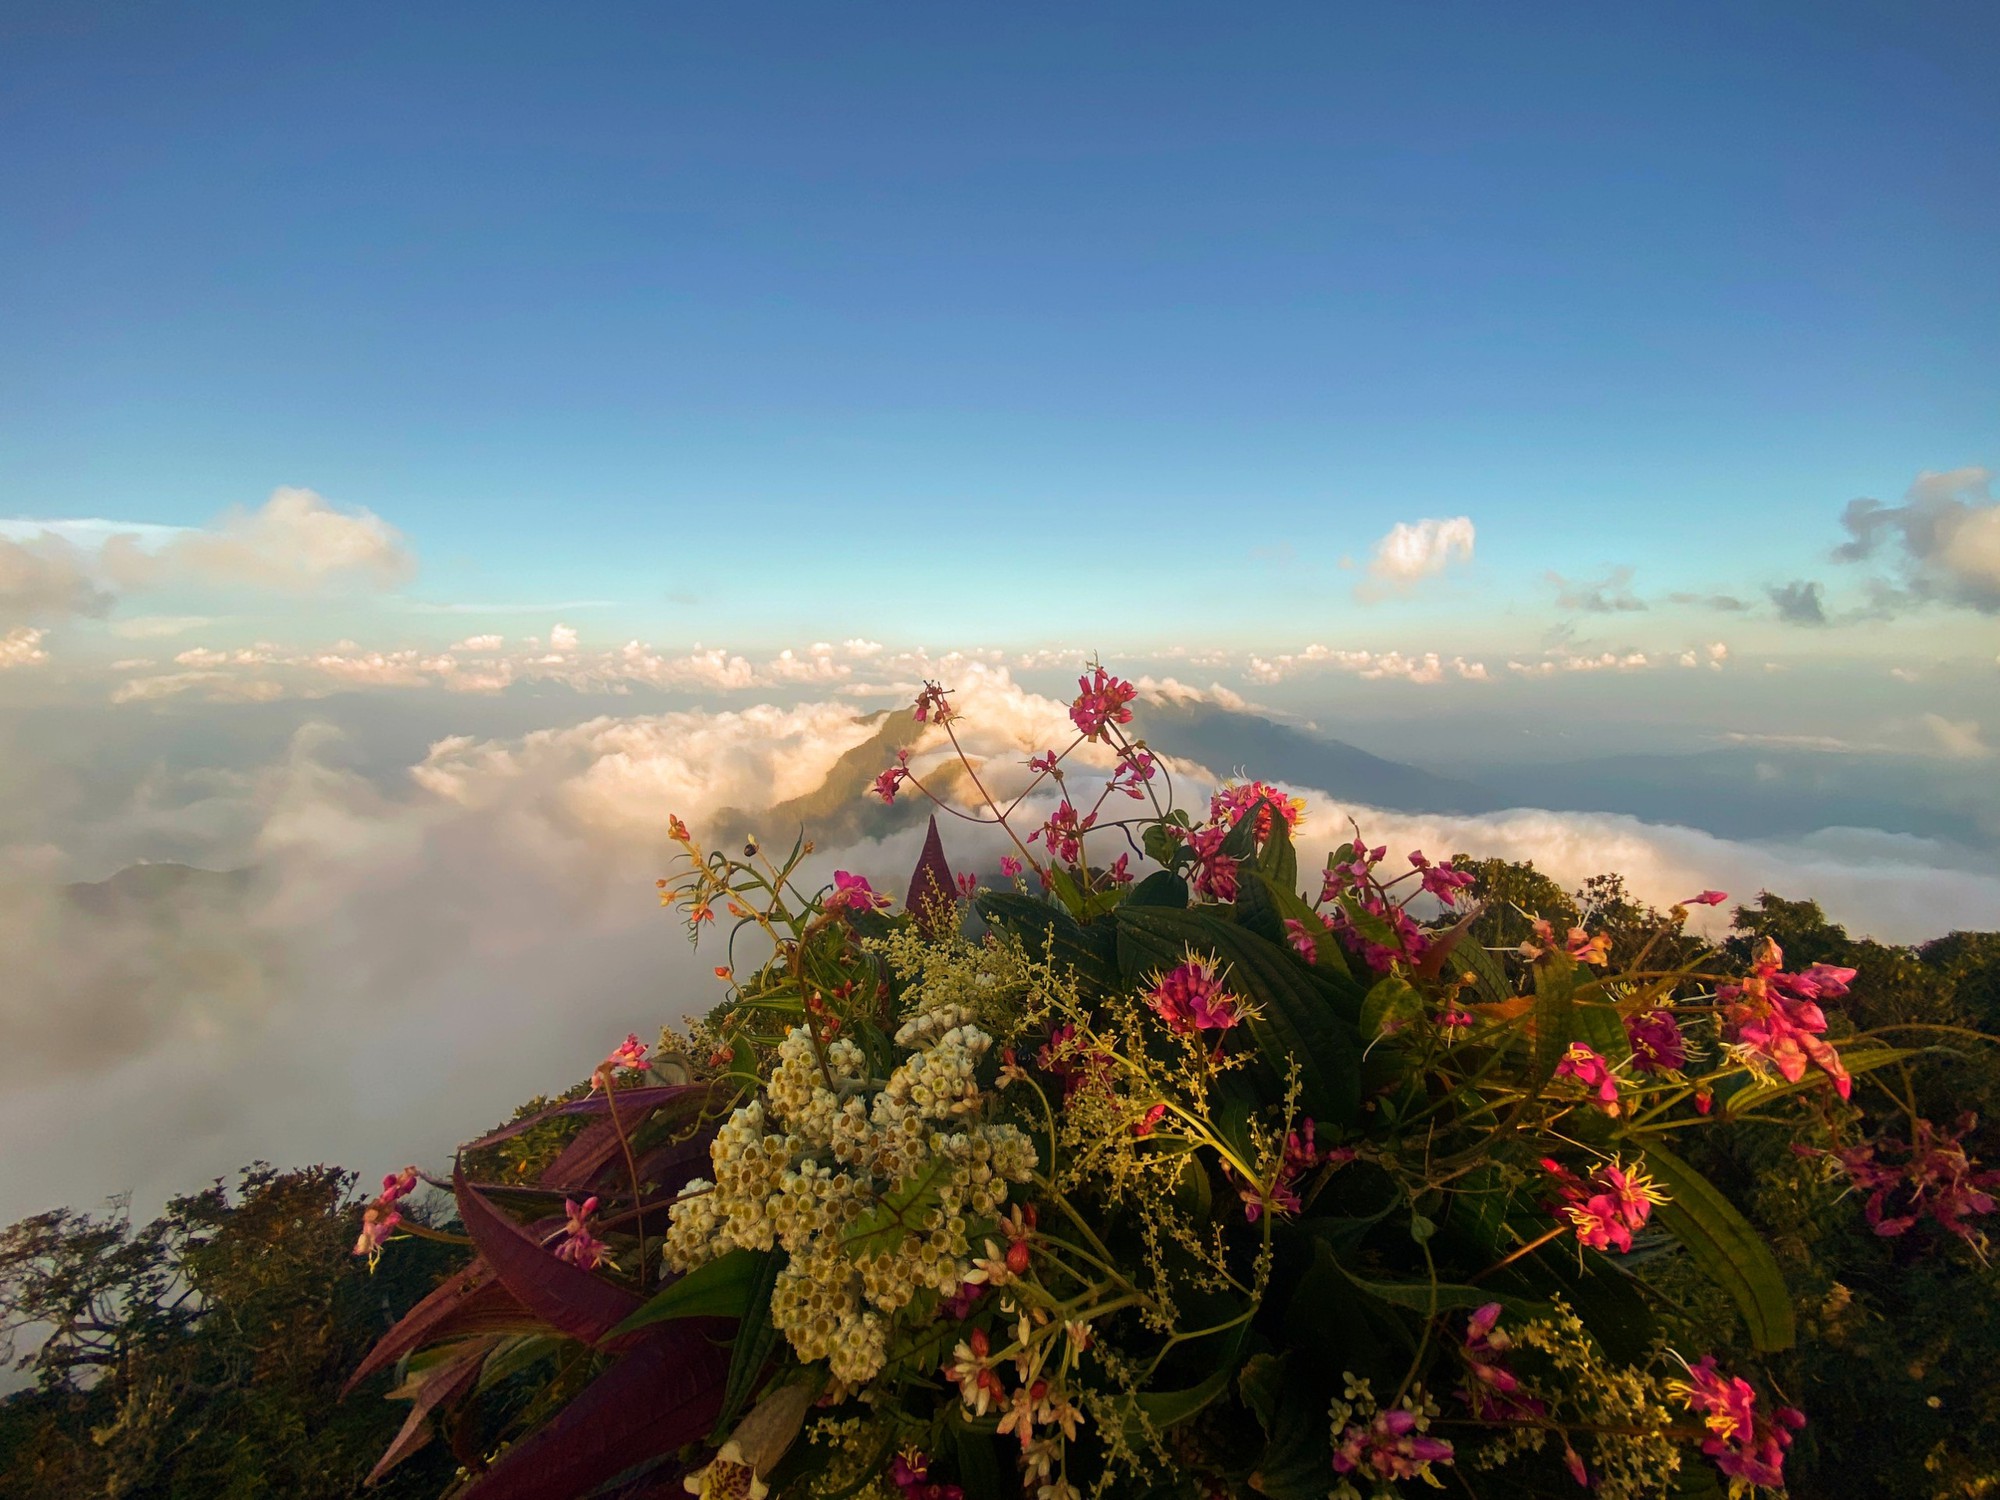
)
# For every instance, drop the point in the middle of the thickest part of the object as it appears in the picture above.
(719, 1289)
(1161, 888)
(1327, 954)
(1721, 1242)
(1392, 1004)
(1488, 978)
(1279, 863)
(1088, 953)
(1555, 1012)
(756, 1338)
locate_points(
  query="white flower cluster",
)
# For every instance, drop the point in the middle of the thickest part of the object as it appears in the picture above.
(869, 1190)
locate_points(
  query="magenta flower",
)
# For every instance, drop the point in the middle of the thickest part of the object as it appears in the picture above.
(1775, 1017)
(1491, 1390)
(890, 781)
(1934, 1177)
(380, 1218)
(932, 704)
(1191, 997)
(1214, 871)
(1135, 768)
(1229, 804)
(1063, 834)
(1121, 870)
(1301, 939)
(1010, 866)
(629, 1055)
(1657, 1043)
(1606, 1209)
(1744, 1446)
(1077, 1070)
(1442, 881)
(580, 1247)
(1706, 898)
(911, 1472)
(1101, 701)
(854, 893)
(1389, 1447)
(1587, 1066)
(968, 886)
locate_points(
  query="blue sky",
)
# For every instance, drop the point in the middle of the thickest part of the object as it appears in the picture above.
(1006, 324)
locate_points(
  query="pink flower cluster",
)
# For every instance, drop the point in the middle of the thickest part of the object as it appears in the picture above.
(911, 1472)
(580, 1247)
(1135, 769)
(854, 893)
(1934, 1177)
(629, 1055)
(1191, 997)
(1607, 1207)
(1776, 1017)
(1442, 881)
(1060, 1058)
(1063, 834)
(1101, 701)
(932, 705)
(1657, 1043)
(1580, 945)
(380, 1218)
(1301, 1156)
(1229, 804)
(890, 781)
(1744, 1446)
(1302, 939)
(1491, 1389)
(1388, 1447)
(1587, 1066)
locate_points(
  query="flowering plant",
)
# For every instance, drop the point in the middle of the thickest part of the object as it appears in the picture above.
(1201, 1179)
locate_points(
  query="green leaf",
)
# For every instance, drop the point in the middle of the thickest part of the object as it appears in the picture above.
(1859, 1060)
(1279, 863)
(898, 1213)
(979, 1473)
(1162, 846)
(719, 1289)
(1292, 1412)
(1256, 909)
(1488, 978)
(1392, 1004)
(1555, 1012)
(1721, 1242)
(1302, 1014)
(1600, 1025)
(1327, 954)
(1161, 888)
(1241, 841)
(756, 1337)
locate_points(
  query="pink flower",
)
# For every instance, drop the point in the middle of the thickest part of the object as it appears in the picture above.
(580, 1247)
(888, 783)
(629, 1055)
(380, 1218)
(1935, 1177)
(1134, 770)
(932, 704)
(1743, 1445)
(1060, 1058)
(1228, 806)
(1010, 866)
(1191, 997)
(1043, 764)
(968, 886)
(911, 1471)
(1706, 898)
(1100, 702)
(1491, 1390)
(1063, 834)
(1588, 1067)
(1606, 1209)
(1657, 1043)
(1389, 1447)
(854, 893)
(1148, 1122)
(1301, 938)
(1214, 871)
(1121, 870)
(1442, 881)
(1775, 1017)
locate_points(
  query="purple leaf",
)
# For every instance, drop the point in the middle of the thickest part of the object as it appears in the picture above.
(467, 1302)
(933, 897)
(658, 1397)
(438, 1386)
(634, 1106)
(567, 1297)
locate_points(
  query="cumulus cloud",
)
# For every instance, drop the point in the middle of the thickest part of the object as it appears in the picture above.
(46, 577)
(1414, 551)
(1611, 594)
(1425, 668)
(295, 541)
(1943, 541)
(1801, 602)
(1958, 739)
(22, 647)
(1726, 603)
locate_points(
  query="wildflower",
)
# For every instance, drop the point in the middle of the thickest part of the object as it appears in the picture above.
(1229, 805)
(1215, 872)
(580, 1247)
(1657, 1043)
(1706, 898)
(380, 1218)
(629, 1055)
(1580, 946)
(1606, 1209)
(971, 1370)
(1390, 1446)
(910, 1471)
(1491, 1390)
(1191, 997)
(1019, 1416)
(1121, 870)
(1351, 867)
(1147, 1123)
(932, 704)
(1935, 1177)
(1584, 1064)
(890, 781)
(1077, 1070)
(1747, 1449)
(1101, 701)
(1773, 1017)
(1063, 834)
(1300, 1156)
(968, 886)
(1010, 867)
(1441, 881)
(677, 830)
(1301, 939)
(1134, 769)
(854, 893)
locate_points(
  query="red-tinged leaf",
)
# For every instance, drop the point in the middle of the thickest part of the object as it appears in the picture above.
(933, 897)
(438, 1386)
(568, 1298)
(577, 1166)
(1432, 963)
(634, 1106)
(654, 1399)
(468, 1302)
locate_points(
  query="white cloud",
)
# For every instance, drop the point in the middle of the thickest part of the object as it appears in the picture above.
(22, 647)
(1946, 536)
(481, 643)
(1957, 739)
(562, 639)
(294, 542)
(1424, 668)
(1412, 552)
(45, 577)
